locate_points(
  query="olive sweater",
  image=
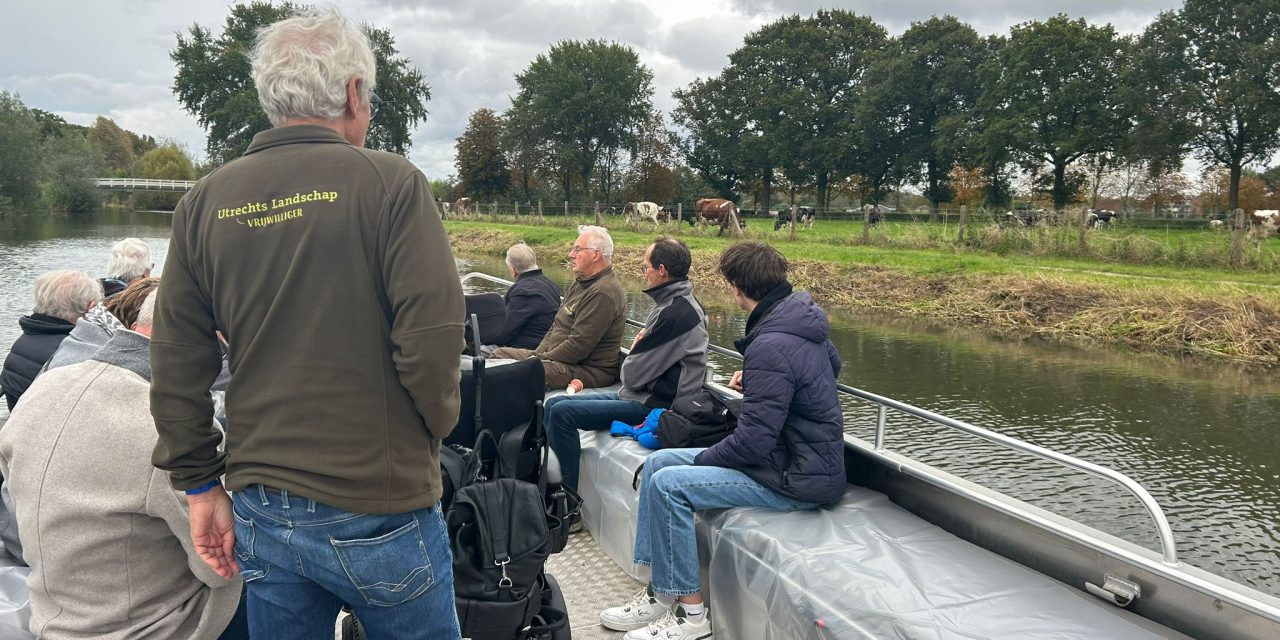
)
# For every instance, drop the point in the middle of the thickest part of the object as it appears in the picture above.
(587, 330)
(328, 269)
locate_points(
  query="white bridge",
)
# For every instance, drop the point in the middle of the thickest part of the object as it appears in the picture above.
(144, 184)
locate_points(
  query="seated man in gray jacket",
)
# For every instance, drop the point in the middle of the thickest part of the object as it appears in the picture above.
(665, 366)
(105, 534)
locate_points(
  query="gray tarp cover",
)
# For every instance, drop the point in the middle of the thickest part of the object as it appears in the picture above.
(863, 568)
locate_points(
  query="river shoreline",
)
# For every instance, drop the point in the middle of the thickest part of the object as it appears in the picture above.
(1237, 325)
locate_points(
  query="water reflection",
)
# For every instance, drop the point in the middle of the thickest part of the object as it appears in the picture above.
(1200, 438)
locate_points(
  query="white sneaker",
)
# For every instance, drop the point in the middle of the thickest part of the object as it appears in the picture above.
(635, 614)
(674, 626)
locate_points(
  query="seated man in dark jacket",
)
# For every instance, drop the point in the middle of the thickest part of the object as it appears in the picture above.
(60, 298)
(532, 302)
(787, 452)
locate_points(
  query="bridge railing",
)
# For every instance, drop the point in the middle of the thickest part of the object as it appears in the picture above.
(145, 184)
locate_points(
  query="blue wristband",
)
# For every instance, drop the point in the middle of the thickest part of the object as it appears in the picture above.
(201, 489)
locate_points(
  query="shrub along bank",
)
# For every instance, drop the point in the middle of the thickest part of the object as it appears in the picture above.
(1218, 314)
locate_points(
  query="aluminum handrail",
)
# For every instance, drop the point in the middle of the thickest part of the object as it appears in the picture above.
(1168, 549)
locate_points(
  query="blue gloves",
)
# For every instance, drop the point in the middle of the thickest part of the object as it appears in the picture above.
(646, 433)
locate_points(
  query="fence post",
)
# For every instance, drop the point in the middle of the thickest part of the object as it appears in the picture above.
(566, 209)
(517, 210)
(679, 216)
(793, 222)
(599, 220)
(964, 215)
(541, 220)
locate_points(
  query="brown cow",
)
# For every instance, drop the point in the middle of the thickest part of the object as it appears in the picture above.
(715, 211)
(462, 206)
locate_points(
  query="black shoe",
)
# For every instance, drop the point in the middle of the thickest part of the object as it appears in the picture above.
(575, 523)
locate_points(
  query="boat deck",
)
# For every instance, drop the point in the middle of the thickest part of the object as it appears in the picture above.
(591, 582)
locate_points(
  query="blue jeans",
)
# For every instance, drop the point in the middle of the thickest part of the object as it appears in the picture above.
(301, 560)
(588, 411)
(671, 490)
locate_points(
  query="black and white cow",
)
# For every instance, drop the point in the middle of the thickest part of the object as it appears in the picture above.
(804, 216)
(1101, 218)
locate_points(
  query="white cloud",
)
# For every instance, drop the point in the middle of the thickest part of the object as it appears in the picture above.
(85, 58)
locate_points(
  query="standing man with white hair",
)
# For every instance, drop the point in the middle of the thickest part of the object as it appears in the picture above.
(130, 260)
(585, 339)
(327, 268)
(60, 298)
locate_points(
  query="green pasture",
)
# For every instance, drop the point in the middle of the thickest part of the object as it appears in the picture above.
(1186, 259)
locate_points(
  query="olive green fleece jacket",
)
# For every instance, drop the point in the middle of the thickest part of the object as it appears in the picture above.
(587, 330)
(328, 269)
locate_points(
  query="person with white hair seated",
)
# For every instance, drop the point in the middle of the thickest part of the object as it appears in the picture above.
(60, 298)
(585, 339)
(106, 536)
(130, 260)
(531, 302)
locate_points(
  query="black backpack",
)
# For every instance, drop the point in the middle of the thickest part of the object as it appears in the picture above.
(706, 419)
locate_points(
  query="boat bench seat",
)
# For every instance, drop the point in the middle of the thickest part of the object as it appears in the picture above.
(862, 568)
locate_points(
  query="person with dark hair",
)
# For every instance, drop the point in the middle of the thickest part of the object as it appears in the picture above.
(787, 452)
(664, 368)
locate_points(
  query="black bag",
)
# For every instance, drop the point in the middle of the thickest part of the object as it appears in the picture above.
(459, 466)
(706, 419)
(486, 313)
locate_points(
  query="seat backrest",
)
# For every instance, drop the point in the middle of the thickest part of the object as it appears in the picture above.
(491, 310)
(510, 398)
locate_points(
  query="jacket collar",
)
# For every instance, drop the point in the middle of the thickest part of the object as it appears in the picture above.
(128, 350)
(671, 289)
(40, 323)
(586, 282)
(763, 307)
(530, 273)
(294, 134)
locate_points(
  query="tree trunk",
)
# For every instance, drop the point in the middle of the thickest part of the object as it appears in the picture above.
(766, 189)
(1233, 196)
(1059, 187)
(823, 185)
(1238, 230)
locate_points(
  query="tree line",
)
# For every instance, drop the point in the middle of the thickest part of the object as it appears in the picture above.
(48, 163)
(831, 104)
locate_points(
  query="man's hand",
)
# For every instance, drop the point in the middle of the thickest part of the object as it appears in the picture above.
(735, 382)
(636, 340)
(213, 530)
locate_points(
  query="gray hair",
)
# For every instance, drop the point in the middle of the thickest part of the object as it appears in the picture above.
(130, 259)
(65, 294)
(520, 258)
(301, 65)
(147, 312)
(600, 239)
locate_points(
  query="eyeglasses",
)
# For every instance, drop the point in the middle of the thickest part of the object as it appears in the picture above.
(644, 268)
(576, 249)
(375, 103)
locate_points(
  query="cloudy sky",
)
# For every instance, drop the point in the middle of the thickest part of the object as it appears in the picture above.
(85, 58)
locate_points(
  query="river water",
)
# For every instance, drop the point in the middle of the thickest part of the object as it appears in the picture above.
(1203, 438)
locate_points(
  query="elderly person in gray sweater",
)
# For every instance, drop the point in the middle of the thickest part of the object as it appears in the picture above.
(106, 536)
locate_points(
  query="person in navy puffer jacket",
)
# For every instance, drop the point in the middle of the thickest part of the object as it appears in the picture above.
(787, 452)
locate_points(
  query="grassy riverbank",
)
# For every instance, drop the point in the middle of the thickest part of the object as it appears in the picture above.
(1208, 312)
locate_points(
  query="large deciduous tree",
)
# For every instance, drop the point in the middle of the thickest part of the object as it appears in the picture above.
(802, 78)
(480, 159)
(931, 71)
(1053, 86)
(72, 168)
(588, 99)
(651, 178)
(719, 146)
(213, 83)
(1220, 64)
(19, 154)
(166, 162)
(114, 144)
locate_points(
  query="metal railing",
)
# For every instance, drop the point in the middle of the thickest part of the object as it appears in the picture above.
(145, 184)
(1168, 549)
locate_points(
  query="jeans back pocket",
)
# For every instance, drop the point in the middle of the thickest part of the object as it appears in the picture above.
(390, 569)
(246, 535)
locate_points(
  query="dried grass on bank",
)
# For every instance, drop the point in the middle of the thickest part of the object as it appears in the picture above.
(1237, 326)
